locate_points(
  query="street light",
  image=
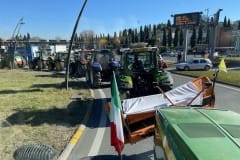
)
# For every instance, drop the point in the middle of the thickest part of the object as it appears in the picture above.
(14, 39)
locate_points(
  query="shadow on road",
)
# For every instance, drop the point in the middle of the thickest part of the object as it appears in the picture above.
(143, 156)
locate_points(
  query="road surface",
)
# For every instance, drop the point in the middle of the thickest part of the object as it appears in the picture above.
(94, 144)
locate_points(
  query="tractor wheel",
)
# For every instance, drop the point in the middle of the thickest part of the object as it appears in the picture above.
(15, 65)
(58, 66)
(31, 65)
(44, 64)
(87, 76)
(91, 79)
(50, 66)
(62, 66)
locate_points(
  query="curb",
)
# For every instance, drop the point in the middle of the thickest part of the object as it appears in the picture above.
(77, 135)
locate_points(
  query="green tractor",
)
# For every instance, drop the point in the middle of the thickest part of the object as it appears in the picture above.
(57, 62)
(140, 74)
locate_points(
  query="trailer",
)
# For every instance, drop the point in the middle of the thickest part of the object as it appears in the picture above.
(138, 113)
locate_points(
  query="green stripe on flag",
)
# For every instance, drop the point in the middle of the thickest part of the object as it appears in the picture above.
(115, 93)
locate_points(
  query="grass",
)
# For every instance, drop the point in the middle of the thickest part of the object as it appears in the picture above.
(231, 77)
(35, 108)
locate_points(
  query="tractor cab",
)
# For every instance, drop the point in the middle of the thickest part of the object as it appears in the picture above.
(100, 67)
(140, 73)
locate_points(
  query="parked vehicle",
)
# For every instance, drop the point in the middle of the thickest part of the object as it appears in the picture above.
(196, 134)
(7, 59)
(40, 61)
(195, 64)
(169, 54)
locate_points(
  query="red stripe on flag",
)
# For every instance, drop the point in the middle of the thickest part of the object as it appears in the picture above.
(117, 143)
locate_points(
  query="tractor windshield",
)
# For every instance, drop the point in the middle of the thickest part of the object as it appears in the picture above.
(144, 59)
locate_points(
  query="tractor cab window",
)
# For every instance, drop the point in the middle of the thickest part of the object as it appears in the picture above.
(143, 60)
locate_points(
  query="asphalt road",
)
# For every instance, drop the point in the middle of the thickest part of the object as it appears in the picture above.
(94, 144)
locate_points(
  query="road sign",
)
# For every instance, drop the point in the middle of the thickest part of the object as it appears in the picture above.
(187, 19)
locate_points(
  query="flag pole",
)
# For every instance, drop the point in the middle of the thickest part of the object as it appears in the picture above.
(214, 81)
(215, 77)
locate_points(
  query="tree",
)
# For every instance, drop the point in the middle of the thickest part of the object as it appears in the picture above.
(164, 41)
(238, 25)
(175, 40)
(1, 42)
(87, 36)
(181, 38)
(200, 34)
(225, 22)
(103, 43)
(141, 34)
(28, 36)
(130, 35)
(193, 38)
(154, 31)
(169, 24)
(207, 36)
(136, 36)
(146, 33)
(229, 23)
(169, 37)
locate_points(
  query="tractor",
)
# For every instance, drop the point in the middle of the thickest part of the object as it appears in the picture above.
(79, 61)
(140, 74)
(57, 62)
(100, 67)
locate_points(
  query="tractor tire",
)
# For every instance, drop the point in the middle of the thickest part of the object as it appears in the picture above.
(87, 76)
(50, 66)
(58, 66)
(92, 79)
(32, 65)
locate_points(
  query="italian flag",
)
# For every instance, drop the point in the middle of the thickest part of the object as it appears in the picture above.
(117, 138)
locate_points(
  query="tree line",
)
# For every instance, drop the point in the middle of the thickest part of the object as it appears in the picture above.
(164, 35)
(161, 35)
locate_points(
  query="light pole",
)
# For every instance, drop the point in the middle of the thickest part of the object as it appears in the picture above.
(214, 24)
(207, 37)
(71, 43)
(14, 40)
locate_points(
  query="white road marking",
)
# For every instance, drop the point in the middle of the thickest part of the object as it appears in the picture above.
(100, 132)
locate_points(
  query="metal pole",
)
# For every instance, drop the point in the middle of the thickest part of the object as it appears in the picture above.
(214, 32)
(71, 42)
(17, 28)
(186, 44)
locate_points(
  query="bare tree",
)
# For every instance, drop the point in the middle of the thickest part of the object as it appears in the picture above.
(87, 38)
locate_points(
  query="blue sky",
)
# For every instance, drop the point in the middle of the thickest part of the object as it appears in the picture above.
(55, 18)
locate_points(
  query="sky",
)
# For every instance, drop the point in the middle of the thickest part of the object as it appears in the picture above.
(51, 19)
